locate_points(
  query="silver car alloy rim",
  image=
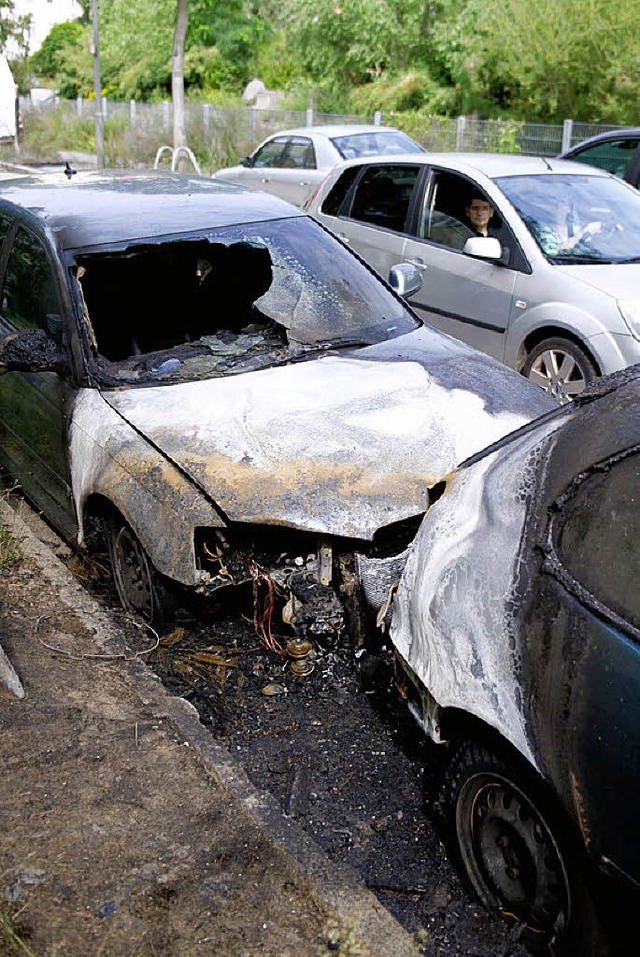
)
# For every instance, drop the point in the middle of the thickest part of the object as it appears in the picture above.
(559, 373)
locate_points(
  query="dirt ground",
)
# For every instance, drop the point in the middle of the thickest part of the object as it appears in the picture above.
(106, 852)
(117, 838)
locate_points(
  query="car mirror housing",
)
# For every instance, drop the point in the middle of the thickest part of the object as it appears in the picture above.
(405, 279)
(483, 247)
(244, 161)
(31, 350)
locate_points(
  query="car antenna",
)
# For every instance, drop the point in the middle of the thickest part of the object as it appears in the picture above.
(547, 163)
(69, 171)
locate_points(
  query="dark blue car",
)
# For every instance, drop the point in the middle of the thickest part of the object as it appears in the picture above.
(517, 633)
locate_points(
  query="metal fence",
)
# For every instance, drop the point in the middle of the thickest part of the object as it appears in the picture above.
(226, 132)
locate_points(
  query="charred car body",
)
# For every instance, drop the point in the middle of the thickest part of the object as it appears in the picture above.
(233, 393)
(517, 630)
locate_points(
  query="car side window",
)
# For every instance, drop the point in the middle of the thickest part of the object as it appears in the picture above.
(596, 530)
(383, 195)
(443, 218)
(613, 156)
(270, 154)
(29, 298)
(299, 153)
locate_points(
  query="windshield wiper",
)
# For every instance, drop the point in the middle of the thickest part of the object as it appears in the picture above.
(579, 260)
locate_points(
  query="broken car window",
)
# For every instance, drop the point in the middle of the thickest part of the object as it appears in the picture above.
(238, 298)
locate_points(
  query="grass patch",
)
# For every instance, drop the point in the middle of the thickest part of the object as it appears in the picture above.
(12, 941)
(11, 555)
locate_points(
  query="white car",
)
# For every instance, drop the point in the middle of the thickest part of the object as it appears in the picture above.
(292, 163)
(552, 290)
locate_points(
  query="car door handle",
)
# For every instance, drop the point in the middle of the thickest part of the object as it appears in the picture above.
(265, 179)
(344, 238)
(418, 263)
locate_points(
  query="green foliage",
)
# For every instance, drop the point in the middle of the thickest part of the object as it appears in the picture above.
(416, 91)
(542, 60)
(135, 46)
(350, 42)
(13, 25)
(549, 59)
(64, 59)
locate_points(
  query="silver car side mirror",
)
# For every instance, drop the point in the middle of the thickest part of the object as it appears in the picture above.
(405, 279)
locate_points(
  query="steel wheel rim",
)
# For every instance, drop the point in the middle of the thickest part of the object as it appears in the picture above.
(132, 574)
(559, 373)
(510, 854)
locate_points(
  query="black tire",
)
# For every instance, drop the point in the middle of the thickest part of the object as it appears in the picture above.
(515, 852)
(140, 588)
(559, 366)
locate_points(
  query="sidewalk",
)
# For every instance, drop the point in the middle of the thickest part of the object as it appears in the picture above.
(128, 830)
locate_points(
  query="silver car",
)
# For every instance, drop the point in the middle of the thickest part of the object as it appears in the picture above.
(292, 163)
(549, 282)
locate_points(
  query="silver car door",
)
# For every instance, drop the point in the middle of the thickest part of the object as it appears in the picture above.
(373, 219)
(467, 297)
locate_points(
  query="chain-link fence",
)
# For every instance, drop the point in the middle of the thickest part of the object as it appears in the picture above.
(219, 135)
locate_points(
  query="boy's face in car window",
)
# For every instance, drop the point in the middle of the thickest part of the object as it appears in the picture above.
(479, 212)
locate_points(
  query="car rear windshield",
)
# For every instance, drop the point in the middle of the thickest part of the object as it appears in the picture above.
(375, 144)
(578, 219)
(230, 300)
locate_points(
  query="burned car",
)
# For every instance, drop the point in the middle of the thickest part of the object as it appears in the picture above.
(226, 390)
(517, 633)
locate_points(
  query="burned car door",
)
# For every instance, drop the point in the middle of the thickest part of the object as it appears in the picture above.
(589, 727)
(33, 405)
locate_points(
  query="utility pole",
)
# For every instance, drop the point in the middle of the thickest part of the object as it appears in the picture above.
(97, 87)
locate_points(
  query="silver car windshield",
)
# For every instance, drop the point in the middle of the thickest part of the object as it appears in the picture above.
(230, 300)
(578, 219)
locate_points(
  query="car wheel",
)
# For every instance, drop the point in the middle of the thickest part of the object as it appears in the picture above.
(513, 851)
(140, 588)
(560, 367)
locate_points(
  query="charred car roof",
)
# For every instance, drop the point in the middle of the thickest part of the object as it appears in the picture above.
(96, 208)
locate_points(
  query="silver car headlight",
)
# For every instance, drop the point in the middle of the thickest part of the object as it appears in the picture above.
(630, 311)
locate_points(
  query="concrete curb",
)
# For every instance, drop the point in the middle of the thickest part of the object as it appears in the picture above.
(335, 885)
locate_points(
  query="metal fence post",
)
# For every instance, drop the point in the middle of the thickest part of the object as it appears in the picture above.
(377, 118)
(309, 121)
(79, 106)
(460, 123)
(252, 123)
(205, 120)
(166, 116)
(567, 130)
(132, 112)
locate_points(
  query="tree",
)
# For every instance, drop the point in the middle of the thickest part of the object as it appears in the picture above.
(547, 59)
(13, 26)
(177, 79)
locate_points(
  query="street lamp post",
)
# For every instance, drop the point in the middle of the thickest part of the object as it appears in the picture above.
(97, 87)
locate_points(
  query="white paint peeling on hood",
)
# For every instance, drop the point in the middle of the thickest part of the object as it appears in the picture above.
(338, 445)
(454, 620)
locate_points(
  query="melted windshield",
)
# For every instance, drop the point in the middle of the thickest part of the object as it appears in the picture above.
(578, 219)
(235, 299)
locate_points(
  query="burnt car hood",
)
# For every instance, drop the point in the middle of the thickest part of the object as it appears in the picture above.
(343, 444)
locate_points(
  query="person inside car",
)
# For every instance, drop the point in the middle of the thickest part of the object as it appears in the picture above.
(479, 213)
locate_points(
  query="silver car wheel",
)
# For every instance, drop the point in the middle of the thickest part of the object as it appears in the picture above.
(560, 367)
